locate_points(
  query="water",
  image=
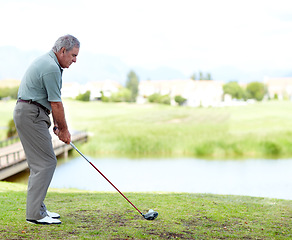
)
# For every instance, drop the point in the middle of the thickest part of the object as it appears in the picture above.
(260, 178)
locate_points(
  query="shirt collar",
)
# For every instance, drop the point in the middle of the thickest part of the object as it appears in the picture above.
(53, 55)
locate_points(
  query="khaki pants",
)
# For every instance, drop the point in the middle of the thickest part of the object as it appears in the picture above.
(32, 124)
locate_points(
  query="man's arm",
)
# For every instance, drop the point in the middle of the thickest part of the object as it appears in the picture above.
(60, 122)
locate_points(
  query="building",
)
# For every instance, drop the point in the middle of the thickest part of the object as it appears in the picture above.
(73, 89)
(280, 87)
(108, 87)
(197, 92)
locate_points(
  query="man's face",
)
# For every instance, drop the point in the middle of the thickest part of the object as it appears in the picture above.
(68, 57)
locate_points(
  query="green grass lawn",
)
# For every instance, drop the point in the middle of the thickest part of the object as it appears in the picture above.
(257, 130)
(100, 215)
(260, 130)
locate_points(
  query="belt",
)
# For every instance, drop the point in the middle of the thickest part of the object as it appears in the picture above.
(35, 103)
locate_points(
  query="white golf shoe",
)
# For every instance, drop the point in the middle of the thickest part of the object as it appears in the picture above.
(45, 221)
(53, 215)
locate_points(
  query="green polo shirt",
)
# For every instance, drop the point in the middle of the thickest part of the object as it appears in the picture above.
(42, 81)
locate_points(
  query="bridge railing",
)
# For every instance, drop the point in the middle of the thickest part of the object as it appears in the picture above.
(18, 154)
(11, 158)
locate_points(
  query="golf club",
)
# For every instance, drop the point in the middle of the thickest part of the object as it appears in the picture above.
(151, 215)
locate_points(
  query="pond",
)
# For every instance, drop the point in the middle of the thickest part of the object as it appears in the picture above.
(260, 178)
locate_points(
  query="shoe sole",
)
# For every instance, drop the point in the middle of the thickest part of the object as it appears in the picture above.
(42, 223)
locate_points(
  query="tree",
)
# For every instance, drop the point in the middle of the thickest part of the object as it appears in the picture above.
(256, 90)
(193, 77)
(132, 84)
(232, 88)
(208, 76)
(201, 76)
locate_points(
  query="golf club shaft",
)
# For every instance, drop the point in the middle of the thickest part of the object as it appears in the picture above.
(104, 177)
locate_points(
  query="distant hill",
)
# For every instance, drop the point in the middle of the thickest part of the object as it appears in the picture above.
(89, 67)
(14, 62)
(100, 67)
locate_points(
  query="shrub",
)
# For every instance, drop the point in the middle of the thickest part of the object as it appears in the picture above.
(256, 90)
(234, 89)
(123, 95)
(180, 100)
(271, 148)
(11, 129)
(84, 97)
(8, 92)
(164, 99)
(204, 149)
(154, 98)
(158, 98)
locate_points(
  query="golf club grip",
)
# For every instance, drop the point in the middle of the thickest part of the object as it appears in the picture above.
(105, 177)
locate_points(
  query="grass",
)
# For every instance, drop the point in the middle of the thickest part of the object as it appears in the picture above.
(260, 130)
(100, 215)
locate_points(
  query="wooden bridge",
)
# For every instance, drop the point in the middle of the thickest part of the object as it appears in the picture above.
(12, 156)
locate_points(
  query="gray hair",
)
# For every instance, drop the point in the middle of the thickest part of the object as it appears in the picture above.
(67, 41)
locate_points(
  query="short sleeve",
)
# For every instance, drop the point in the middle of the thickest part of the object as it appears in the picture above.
(52, 82)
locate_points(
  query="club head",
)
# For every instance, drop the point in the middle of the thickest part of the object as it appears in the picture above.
(151, 215)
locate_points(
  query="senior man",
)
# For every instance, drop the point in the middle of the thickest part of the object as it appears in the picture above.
(39, 95)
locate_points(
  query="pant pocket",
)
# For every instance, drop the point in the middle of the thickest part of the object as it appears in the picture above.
(43, 116)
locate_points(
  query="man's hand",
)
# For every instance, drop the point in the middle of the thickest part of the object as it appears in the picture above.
(64, 135)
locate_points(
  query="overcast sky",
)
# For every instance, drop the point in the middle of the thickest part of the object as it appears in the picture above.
(183, 34)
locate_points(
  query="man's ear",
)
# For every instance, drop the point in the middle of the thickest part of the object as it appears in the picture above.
(63, 50)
